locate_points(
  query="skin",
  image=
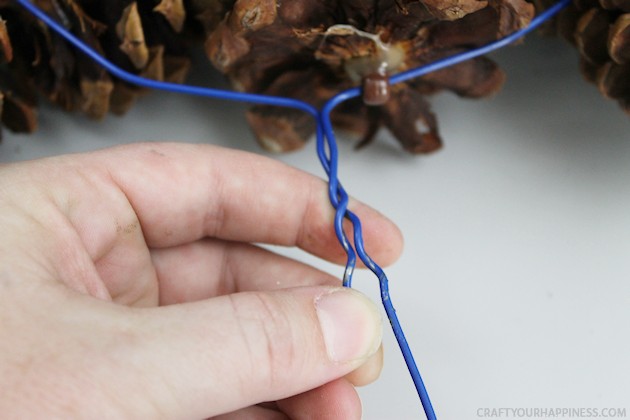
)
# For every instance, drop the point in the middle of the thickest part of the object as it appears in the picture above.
(130, 288)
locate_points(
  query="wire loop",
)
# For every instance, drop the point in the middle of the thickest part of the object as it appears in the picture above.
(326, 150)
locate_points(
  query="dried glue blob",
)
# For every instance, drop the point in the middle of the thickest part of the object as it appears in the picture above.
(371, 66)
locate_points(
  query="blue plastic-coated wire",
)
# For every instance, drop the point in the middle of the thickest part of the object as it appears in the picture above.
(337, 196)
(331, 163)
(326, 149)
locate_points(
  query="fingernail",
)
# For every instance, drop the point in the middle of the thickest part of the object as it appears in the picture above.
(350, 323)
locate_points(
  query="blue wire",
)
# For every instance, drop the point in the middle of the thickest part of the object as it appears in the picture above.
(326, 150)
(375, 268)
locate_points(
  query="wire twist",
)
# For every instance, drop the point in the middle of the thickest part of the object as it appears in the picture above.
(326, 150)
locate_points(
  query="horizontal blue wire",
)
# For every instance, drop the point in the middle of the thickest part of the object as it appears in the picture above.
(326, 149)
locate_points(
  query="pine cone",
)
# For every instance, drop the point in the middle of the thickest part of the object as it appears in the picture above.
(310, 50)
(600, 29)
(141, 37)
(305, 49)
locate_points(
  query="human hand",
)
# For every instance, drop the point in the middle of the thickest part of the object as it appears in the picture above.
(130, 287)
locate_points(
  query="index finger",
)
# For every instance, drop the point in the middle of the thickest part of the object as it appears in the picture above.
(184, 192)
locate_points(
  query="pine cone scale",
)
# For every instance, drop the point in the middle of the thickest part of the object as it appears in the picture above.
(601, 32)
(619, 39)
(6, 50)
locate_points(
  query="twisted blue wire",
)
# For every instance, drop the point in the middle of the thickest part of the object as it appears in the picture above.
(326, 150)
(331, 167)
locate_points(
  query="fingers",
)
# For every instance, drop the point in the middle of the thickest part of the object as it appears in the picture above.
(336, 400)
(209, 268)
(253, 413)
(182, 193)
(369, 371)
(216, 356)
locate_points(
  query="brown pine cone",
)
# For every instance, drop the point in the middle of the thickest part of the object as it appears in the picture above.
(305, 49)
(600, 29)
(140, 37)
(311, 49)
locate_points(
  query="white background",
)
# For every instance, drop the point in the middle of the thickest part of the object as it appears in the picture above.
(514, 287)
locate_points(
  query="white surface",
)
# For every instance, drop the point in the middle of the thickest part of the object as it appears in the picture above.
(514, 288)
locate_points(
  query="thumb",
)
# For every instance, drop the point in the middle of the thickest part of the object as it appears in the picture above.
(233, 351)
